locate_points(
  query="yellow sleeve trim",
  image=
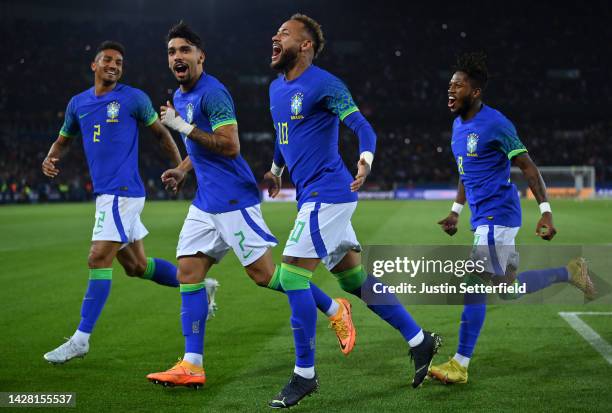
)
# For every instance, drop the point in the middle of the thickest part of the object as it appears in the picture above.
(65, 134)
(225, 122)
(515, 152)
(348, 112)
(152, 120)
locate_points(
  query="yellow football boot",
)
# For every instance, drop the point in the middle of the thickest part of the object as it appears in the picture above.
(449, 372)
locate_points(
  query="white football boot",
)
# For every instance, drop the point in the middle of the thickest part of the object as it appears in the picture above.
(211, 289)
(66, 352)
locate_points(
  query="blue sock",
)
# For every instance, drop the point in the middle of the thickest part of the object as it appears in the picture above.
(95, 297)
(322, 300)
(303, 323)
(392, 311)
(161, 271)
(536, 280)
(194, 310)
(472, 320)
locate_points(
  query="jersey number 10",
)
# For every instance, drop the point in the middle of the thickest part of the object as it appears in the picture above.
(282, 130)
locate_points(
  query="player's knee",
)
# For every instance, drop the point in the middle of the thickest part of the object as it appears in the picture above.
(261, 278)
(97, 259)
(135, 268)
(189, 276)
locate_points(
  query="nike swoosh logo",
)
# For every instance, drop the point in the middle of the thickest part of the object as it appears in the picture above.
(422, 367)
(247, 255)
(83, 115)
(271, 107)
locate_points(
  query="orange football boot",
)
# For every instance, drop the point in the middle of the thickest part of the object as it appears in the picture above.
(342, 324)
(182, 373)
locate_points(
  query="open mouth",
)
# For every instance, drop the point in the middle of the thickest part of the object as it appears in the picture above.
(451, 102)
(110, 72)
(180, 69)
(276, 51)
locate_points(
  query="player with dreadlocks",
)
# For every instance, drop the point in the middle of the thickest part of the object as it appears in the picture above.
(485, 143)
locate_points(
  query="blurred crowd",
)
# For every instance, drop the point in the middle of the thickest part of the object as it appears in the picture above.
(549, 78)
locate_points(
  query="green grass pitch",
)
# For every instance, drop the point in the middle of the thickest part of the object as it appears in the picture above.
(528, 358)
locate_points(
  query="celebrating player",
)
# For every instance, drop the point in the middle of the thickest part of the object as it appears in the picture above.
(485, 143)
(226, 212)
(307, 103)
(107, 116)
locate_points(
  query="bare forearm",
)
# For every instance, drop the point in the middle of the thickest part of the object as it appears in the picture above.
(166, 142)
(532, 175)
(58, 149)
(536, 184)
(460, 198)
(185, 165)
(216, 142)
(170, 149)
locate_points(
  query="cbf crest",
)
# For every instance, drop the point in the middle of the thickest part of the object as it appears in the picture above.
(472, 144)
(189, 113)
(112, 112)
(296, 106)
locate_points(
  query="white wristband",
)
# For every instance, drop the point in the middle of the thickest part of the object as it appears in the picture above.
(368, 157)
(276, 170)
(172, 120)
(545, 207)
(185, 128)
(457, 208)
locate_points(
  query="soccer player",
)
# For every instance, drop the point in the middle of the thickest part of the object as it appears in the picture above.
(225, 213)
(307, 103)
(107, 116)
(485, 143)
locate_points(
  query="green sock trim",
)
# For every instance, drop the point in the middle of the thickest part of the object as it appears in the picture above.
(148, 274)
(100, 273)
(297, 270)
(351, 279)
(190, 288)
(294, 278)
(275, 283)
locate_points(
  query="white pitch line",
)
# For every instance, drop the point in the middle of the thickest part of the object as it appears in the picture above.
(595, 340)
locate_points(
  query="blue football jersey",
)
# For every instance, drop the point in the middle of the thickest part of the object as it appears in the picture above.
(483, 147)
(108, 125)
(306, 112)
(224, 184)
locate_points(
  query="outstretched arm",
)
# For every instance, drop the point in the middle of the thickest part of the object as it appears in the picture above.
(545, 227)
(56, 152)
(449, 224)
(166, 142)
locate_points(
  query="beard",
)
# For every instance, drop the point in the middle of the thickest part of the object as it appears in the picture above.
(287, 60)
(465, 106)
